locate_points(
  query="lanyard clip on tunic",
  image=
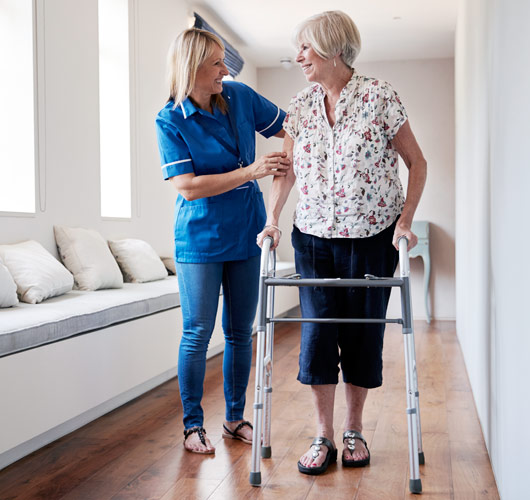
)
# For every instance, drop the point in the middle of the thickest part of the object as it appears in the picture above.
(233, 125)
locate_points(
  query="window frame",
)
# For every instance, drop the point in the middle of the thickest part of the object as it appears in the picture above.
(39, 105)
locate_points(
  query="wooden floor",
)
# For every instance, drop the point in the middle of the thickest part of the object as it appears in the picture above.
(136, 452)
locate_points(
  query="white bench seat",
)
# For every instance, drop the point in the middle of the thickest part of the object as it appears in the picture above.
(26, 326)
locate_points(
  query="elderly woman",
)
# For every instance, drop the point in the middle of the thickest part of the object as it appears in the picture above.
(344, 134)
(206, 137)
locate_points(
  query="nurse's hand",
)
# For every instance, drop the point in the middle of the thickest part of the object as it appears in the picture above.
(275, 164)
(270, 230)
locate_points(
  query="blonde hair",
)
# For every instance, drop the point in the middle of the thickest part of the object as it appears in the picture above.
(330, 34)
(188, 51)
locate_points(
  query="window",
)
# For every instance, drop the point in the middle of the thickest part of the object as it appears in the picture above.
(114, 108)
(17, 102)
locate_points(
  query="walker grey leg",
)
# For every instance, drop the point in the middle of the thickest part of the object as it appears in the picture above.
(263, 301)
(266, 450)
(413, 424)
(412, 416)
(421, 455)
(255, 474)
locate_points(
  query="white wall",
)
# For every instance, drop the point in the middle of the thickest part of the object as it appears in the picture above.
(427, 90)
(472, 203)
(492, 82)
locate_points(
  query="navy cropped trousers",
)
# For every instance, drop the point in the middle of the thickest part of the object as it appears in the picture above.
(357, 349)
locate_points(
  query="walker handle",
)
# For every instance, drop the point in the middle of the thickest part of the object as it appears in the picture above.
(404, 267)
(268, 240)
(265, 250)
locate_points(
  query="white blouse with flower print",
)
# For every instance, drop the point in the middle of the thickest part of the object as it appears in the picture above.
(347, 176)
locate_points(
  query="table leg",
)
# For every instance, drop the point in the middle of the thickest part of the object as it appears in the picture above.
(426, 281)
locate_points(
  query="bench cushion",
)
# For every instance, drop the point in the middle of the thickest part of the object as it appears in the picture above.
(25, 326)
(30, 325)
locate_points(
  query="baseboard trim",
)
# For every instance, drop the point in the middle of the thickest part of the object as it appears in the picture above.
(24, 449)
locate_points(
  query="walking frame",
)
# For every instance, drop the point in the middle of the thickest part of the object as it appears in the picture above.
(265, 341)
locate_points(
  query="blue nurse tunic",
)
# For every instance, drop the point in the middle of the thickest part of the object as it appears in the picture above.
(223, 227)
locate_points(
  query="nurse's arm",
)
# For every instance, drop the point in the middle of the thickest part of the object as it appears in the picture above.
(280, 134)
(193, 187)
(281, 187)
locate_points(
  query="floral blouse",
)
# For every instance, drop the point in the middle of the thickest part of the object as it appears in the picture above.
(347, 176)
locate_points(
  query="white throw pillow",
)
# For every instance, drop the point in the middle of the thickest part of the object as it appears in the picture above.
(8, 288)
(86, 254)
(169, 262)
(138, 261)
(37, 273)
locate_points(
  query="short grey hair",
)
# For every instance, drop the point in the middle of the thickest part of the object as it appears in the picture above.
(331, 33)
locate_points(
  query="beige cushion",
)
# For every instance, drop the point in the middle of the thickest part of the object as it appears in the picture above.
(8, 288)
(86, 254)
(37, 273)
(169, 262)
(138, 261)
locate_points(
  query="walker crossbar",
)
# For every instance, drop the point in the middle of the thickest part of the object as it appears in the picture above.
(264, 353)
(333, 320)
(336, 282)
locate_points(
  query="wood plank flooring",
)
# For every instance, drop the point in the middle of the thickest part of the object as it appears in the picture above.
(136, 452)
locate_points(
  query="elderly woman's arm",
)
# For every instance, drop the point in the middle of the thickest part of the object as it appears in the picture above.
(281, 187)
(408, 148)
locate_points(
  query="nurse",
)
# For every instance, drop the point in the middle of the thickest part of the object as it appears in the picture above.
(206, 138)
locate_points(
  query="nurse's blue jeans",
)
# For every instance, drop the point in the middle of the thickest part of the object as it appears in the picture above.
(199, 286)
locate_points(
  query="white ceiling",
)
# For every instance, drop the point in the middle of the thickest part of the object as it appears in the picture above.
(390, 29)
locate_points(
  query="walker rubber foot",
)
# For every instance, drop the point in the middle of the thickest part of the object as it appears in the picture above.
(255, 478)
(415, 485)
(421, 458)
(266, 452)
